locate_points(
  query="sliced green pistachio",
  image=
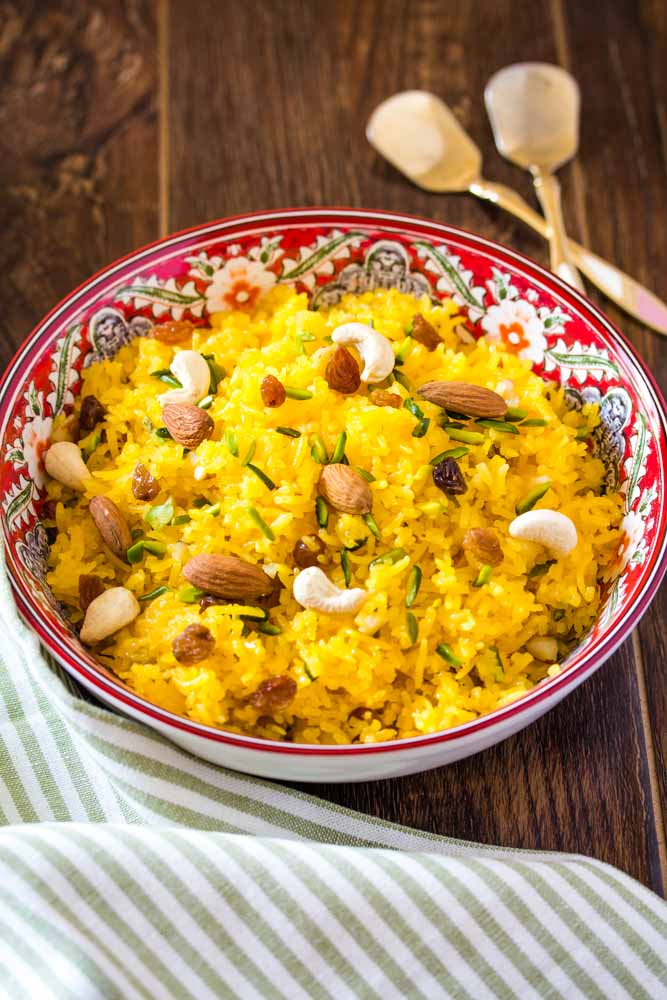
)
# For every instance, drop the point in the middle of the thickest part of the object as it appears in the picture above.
(531, 498)
(414, 583)
(447, 653)
(261, 524)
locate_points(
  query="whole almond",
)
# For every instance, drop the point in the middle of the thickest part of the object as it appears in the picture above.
(483, 545)
(227, 576)
(474, 400)
(111, 525)
(345, 490)
(187, 424)
(342, 372)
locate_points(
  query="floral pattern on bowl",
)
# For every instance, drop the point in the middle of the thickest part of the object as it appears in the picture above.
(327, 254)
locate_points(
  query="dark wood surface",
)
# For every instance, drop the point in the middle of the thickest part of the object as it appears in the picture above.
(121, 121)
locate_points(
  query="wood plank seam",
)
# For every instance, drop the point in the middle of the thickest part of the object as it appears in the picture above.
(651, 763)
(163, 117)
(578, 183)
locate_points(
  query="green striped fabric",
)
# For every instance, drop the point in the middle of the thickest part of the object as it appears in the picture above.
(129, 869)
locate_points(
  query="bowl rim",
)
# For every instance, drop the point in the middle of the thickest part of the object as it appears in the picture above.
(69, 656)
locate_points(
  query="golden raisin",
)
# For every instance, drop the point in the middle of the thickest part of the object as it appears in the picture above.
(90, 587)
(144, 485)
(193, 644)
(483, 545)
(306, 551)
(172, 332)
(424, 332)
(273, 391)
(342, 372)
(275, 694)
(381, 398)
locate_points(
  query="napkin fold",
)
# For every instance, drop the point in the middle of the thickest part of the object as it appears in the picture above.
(130, 869)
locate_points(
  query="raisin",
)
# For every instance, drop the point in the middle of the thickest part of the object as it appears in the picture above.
(193, 644)
(172, 332)
(448, 477)
(275, 694)
(483, 545)
(49, 510)
(381, 398)
(144, 485)
(306, 551)
(91, 413)
(210, 601)
(424, 332)
(90, 587)
(342, 372)
(273, 392)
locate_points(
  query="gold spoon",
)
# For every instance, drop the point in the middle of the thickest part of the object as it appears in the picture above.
(420, 136)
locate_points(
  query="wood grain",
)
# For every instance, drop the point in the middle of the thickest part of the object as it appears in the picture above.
(264, 105)
(78, 186)
(288, 129)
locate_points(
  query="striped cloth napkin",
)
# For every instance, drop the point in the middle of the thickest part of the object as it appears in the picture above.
(129, 869)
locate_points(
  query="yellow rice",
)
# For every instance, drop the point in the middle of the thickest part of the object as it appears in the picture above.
(359, 677)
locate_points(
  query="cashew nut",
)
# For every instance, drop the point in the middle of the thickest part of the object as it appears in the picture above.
(108, 613)
(543, 647)
(548, 527)
(312, 589)
(194, 375)
(375, 350)
(63, 462)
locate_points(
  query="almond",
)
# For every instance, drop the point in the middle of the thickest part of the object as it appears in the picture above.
(187, 424)
(342, 372)
(227, 576)
(474, 400)
(345, 490)
(483, 545)
(111, 525)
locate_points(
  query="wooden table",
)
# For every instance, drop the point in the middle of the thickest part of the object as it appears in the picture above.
(121, 121)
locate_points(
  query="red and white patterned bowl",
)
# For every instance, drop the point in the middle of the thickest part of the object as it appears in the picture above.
(328, 252)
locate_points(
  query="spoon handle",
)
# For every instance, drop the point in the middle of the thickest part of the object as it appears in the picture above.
(616, 284)
(547, 187)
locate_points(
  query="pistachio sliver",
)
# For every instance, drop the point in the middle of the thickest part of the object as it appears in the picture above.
(391, 557)
(414, 583)
(448, 654)
(498, 425)
(465, 436)
(450, 453)
(292, 392)
(261, 524)
(531, 498)
(339, 448)
(413, 627)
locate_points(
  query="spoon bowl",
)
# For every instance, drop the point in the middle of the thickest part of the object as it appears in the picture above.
(534, 113)
(421, 137)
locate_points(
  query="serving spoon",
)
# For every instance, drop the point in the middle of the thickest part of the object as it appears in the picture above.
(534, 114)
(418, 134)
